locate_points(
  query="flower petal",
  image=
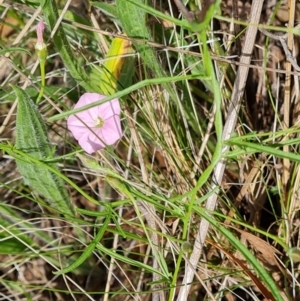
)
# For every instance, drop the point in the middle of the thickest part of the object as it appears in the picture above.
(80, 119)
(89, 146)
(112, 130)
(79, 131)
(39, 31)
(109, 109)
(91, 142)
(88, 98)
(109, 133)
(82, 124)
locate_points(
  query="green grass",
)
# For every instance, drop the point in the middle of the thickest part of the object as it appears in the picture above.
(121, 224)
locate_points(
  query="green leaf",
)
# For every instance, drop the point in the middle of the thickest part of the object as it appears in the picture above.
(89, 250)
(126, 76)
(128, 260)
(32, 140)
(251, 147)
(294, 254)
(12, 239)
(13, 223)
(79, 32)
(14, 49)
(11, 245)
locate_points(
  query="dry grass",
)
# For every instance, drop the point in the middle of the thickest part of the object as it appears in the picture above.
(161, 154)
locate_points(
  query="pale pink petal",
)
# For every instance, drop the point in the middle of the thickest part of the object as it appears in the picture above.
(84, 137)
(112, 130)
(109, 109)
(83, 127)
(39, 32)
(88, 98)
(88, 146)
(97, 139)
(96, 146)
(79, 127)
(81, 120)
(90, 143)
(109, 133)
(79, 131)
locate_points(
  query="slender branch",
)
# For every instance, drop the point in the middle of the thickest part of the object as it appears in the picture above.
(282, 39)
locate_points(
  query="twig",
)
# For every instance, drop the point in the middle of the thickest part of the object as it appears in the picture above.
(189, 15)
(282, 39)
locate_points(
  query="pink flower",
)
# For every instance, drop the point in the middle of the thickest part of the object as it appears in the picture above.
(96, 127)
(40, 45)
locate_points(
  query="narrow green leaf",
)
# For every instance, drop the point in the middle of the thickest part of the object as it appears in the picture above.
(119, 94)
(294, 254)
(251, 147)
(14, 49)
(10, 245)
(128, 260)
(32, 140)
(89, 250)
(126, 76)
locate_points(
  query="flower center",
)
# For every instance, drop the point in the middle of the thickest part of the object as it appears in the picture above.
(99, 122)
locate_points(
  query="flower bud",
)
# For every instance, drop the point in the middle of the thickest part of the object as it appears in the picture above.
(40, 46)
